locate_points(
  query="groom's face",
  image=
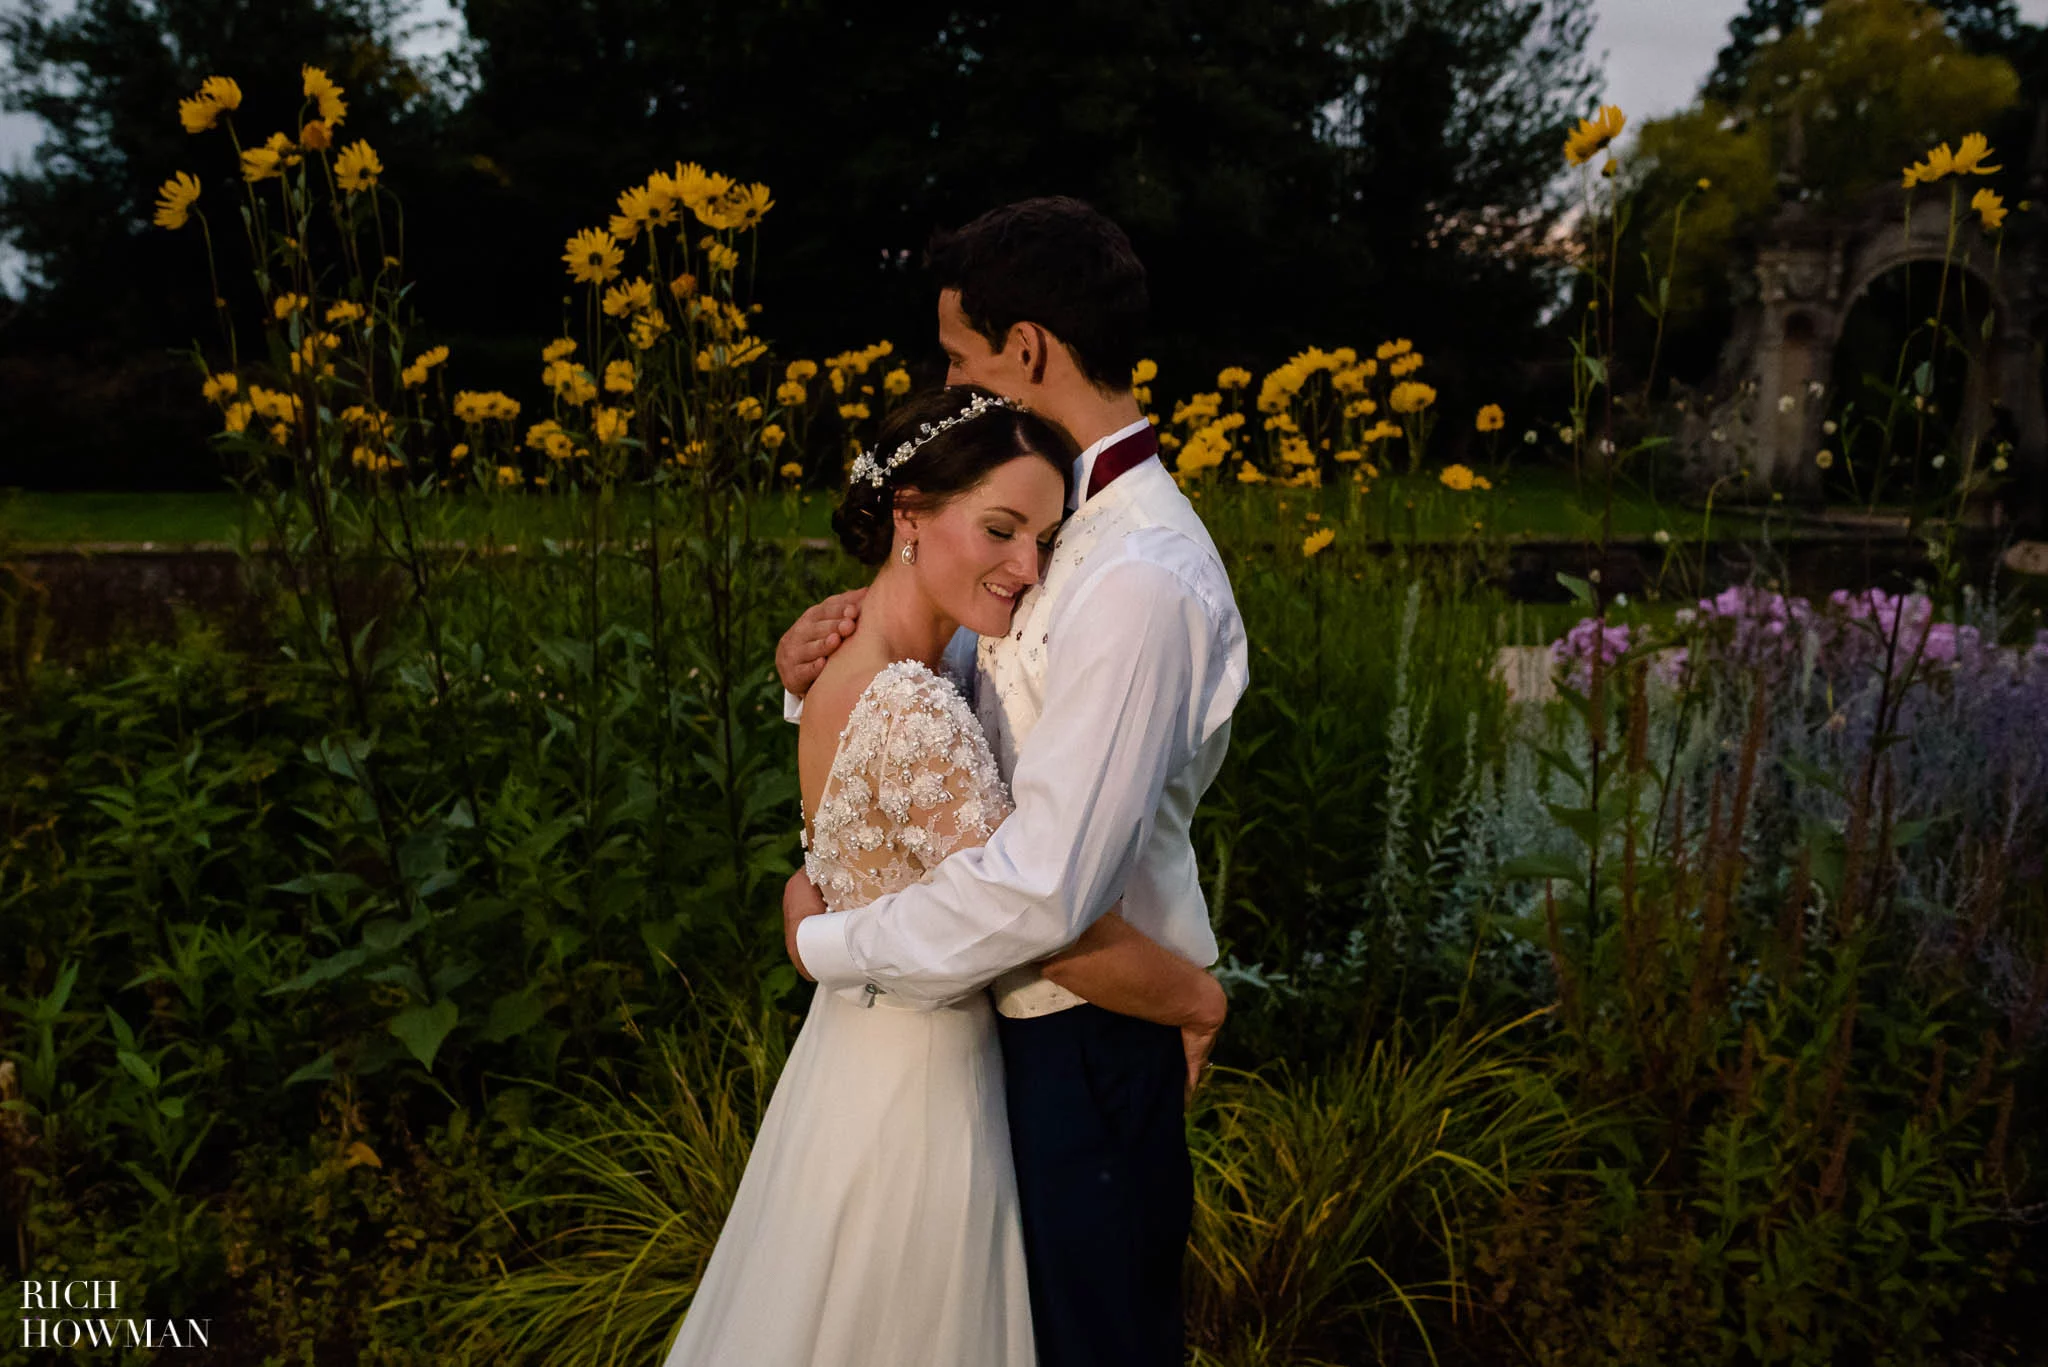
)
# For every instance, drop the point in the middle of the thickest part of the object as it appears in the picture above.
(971, 360)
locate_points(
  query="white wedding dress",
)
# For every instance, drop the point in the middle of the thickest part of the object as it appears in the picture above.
(877, 1221)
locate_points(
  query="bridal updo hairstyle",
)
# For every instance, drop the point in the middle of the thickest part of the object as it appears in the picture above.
(943, 468)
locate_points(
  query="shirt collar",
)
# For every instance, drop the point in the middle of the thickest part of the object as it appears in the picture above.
(1084, 464)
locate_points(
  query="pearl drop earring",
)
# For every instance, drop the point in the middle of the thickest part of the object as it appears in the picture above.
(910, 552)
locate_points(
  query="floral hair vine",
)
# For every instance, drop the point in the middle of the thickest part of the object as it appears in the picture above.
(866, 467)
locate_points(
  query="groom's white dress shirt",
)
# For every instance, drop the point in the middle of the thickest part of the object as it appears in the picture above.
(1108, 706)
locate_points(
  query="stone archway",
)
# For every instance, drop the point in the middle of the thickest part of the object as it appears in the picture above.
(1810, 271)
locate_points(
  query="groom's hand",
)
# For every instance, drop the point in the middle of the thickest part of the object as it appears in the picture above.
(1198, 1036)
(799, 901)
(801, 653)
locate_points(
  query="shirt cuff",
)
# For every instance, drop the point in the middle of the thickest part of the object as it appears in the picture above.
(792, 707)
(821, 944)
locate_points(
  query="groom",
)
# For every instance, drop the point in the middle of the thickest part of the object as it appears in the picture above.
(1108, 706)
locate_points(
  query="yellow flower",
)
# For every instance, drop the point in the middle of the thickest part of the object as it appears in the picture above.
(791, 394)
(1492, 418)
(748, 409)
(275, 405)
(473, 407)
(415, 374)
(721, 257)
(357, 168)
(1411, 396)
(1144, 372)
(559, 348)
(1233, 377)
(1315, 542)
(219, 387)
(571, 383)
(317, 87)
(592, 256)
(1456, 477)
(549, 438)
(285, 305)
(1705, 184)
(262, 163)
(801, 371)
(1592, 135)
(637, 208)
(345, 312)
(198, 114)
(1388, 350)
(772, 437)
(1405, 365)
(631, 297)
(609, 424)
(1360, 408)
(741, 207)
(507, 475)
(221, 91)
(1248, 473)
(791, 470)
(316, 134)
(175, 198)
(896, 382)
(236, 419)
(853, 412)
(648, 329)
(1969, 158)
(1824, 459)
(1990, 209)
(458, 451)
(620, 377)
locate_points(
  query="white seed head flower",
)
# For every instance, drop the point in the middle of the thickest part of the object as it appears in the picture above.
(1784, 403)
(1828, 427)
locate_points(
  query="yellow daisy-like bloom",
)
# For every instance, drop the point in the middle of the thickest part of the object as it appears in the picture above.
(275, 405)
(1824, 459)
(748, 409)
(507, 476)
(357, 168)
(198, 114)
(745, 206)
(261, 163)
(1491, 418)
(631, 297)
(791, 394)
(1360, 408)
(1592, 135)
(896, 382)
(1388, 350)
(571, 383)
(1317, 541)
(1456, 477)
(1144, 372)
(314, 82)
(415, 375)
(1411, 396)
(1347, 457)
(218, 387)
(1233, 377)
(593, 257)
(801, 371)
(620, 377)
(772, 438)
(343, 313)
(221, 91)
(721, 257)
(175, 198)
(1405, 365)
(1970, 155)
(285, 305)
(608, 425)
(853, 412)
(791, 470)
(558, 349)
(1248, 473)
(236, 418)
(649, 328)
(683, 286)
(458, 451)
(1990, 209)
(473, 407)
(637, 208)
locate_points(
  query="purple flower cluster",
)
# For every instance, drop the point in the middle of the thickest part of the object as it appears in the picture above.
(1578, 646)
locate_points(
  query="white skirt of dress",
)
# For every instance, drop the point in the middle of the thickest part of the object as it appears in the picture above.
(877, 1220)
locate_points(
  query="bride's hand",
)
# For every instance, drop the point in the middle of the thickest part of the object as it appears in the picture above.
(1199, 1036)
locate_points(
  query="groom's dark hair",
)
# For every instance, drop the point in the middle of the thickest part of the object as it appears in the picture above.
(1055, 262)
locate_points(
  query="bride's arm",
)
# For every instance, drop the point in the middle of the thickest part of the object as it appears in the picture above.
(1120, 969)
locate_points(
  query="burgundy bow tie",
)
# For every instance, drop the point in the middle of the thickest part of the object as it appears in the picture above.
(1118, 457)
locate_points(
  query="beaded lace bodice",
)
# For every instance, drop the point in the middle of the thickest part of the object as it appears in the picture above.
(911, 782)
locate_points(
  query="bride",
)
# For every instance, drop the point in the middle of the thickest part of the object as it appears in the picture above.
(877, 1221)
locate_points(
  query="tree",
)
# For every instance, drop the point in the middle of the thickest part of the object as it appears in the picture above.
(1981, 26)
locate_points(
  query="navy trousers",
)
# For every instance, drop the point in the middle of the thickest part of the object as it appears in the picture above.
(1104, 1183)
